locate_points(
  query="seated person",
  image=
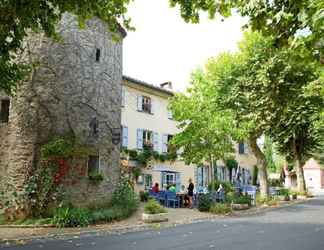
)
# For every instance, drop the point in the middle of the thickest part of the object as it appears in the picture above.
(172, 188)
(155, 188)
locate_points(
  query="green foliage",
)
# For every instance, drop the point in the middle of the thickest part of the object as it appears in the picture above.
(153, 207)
(125, 197)
(204, 202)
(242, 199)
(43, 16)
(71, 217)
(147, 154)
(298, 21)
(96, 178)
(109, 214)
(269, 154)
(220, 208)
(284, 192)
(206, 131)
(214, 185)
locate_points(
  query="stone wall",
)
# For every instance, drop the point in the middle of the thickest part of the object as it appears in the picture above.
(67, 91)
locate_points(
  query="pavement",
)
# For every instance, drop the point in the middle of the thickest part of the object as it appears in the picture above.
(296, 227)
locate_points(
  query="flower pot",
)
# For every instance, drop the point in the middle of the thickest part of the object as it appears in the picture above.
(240, 206)
(151, 218)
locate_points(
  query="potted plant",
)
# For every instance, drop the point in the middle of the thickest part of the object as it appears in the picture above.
(293, 195)
(283, 194)
(154, 212)
(241, 202)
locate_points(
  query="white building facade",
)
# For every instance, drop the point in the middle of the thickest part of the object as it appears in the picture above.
(146, 121)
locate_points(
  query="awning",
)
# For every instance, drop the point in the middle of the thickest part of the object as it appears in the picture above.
(164, 169)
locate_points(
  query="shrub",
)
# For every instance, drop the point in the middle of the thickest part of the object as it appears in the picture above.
(284, 192)
(71, 217)
(220, 208)
(243, 199)
(109, 214)
(228, 187)
(230, 196)
(125, 197)
(153, 207)
(205, 202)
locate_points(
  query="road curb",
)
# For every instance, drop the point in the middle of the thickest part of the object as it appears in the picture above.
(136, 228)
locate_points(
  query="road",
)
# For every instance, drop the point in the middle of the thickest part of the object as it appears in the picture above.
(298, 227)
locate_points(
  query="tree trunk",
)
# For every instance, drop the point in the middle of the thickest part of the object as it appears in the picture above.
(262, 166)
(301, 186)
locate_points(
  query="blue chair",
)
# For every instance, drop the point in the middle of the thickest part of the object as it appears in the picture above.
(251, 191)
(161, 197)
(172, 198)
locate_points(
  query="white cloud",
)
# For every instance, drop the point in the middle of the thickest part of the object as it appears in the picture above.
(165, 48)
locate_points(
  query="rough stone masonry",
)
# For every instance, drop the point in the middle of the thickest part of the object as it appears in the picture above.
(77, 82)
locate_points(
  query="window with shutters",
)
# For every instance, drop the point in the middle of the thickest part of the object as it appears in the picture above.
(146, 104)
(147, 181)
(4, 111)
(241, 148)
(148, 138)
(93, 164)
(170, 179)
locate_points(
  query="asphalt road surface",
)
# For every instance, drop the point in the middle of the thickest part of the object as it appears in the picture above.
(298, 227)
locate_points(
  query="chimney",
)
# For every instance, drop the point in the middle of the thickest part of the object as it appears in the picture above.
(166, 85)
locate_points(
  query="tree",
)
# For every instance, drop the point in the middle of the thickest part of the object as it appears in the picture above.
(281, 19)
(206, 133)
(259, 85)
(18, 18)
(269, 153)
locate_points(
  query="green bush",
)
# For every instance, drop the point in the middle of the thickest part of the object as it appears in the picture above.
(230, 196)
(228, 187)
(125, 197)
(284, 192)
(153, 207)
(204, 203)
(220, 208)
(71, 217)
(109, 214)
(243, 199)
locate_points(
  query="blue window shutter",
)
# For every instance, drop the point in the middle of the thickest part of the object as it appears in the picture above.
(123, 97)
(140, 103)
(164, 143)
(125, 137)
(156, 141)
(199, 177)
(241, 148)
(139, 138)
(178, 182)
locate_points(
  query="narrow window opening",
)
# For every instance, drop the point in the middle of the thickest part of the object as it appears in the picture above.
(4, 111)
(98, 55)
(93, 164)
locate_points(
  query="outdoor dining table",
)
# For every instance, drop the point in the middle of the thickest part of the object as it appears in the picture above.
(181, 196)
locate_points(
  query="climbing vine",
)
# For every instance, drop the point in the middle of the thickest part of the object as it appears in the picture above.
(46, 184)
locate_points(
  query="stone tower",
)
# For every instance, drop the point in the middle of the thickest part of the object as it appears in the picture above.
(76, 89)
